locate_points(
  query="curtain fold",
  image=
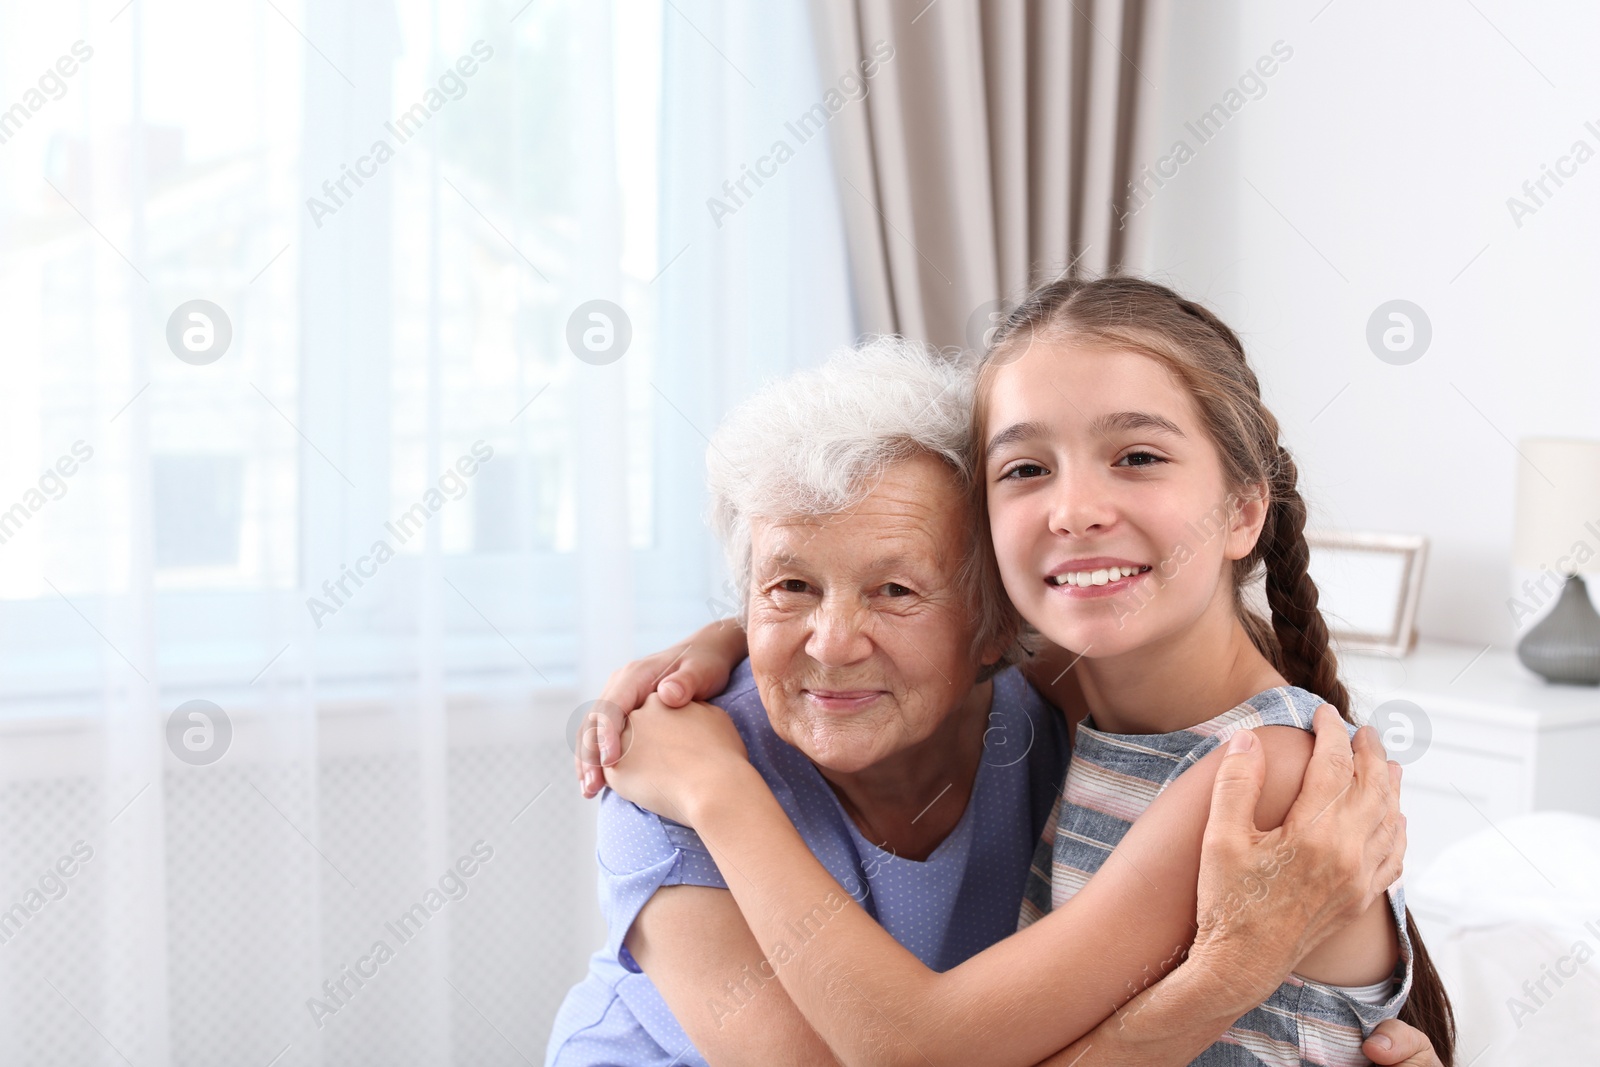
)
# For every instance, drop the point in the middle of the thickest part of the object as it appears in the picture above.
(993, 151)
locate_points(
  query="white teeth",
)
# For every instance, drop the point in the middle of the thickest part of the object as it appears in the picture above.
(1096, 577)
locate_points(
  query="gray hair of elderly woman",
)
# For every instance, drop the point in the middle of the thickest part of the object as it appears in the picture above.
(817, 442)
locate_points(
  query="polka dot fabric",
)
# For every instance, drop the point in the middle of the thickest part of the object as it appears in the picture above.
(960, 900)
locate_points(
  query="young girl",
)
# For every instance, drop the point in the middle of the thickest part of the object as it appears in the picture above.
(1135, 484)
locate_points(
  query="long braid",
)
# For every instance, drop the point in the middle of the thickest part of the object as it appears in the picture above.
(1306, 658)
(1301, 632)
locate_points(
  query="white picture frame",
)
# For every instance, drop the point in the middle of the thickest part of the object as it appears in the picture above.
(1369, 585)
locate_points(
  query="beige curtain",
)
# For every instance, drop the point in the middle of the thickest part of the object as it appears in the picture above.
(992, 150)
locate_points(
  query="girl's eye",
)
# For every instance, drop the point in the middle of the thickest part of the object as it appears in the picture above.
(1151, 457)
(1025, 470)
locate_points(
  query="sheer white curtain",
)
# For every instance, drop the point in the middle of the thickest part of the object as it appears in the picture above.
(396, 531)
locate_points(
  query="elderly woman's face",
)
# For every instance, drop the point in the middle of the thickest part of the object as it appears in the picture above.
(860, 637)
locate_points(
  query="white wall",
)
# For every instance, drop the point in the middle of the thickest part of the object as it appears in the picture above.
(1376, 165)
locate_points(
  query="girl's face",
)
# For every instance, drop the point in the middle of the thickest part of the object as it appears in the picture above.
(1112, 522)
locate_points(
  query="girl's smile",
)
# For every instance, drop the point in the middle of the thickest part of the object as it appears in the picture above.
(1087, 579)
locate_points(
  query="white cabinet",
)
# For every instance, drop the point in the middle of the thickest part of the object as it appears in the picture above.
(1496, 740)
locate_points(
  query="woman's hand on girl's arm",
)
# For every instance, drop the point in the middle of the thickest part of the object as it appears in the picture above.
(696, 669)
(1323, 862)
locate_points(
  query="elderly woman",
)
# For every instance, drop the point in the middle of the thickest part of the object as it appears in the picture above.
(919, 773)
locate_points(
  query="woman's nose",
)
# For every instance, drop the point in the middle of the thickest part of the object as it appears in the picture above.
(838, 634)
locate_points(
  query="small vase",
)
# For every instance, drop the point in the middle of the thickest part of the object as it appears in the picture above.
(1564, 646)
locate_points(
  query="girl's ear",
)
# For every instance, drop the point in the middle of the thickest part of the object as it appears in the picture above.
(1248, 510)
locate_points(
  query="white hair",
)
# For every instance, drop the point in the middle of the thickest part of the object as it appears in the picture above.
(816, 443)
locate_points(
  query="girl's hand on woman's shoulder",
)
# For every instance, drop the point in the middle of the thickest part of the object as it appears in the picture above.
(695, 669)
(673, 757)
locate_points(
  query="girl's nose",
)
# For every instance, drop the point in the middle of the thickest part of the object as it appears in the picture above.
(1082, 504)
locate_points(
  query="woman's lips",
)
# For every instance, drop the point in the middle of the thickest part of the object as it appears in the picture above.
(842, 700)
(1095, 592)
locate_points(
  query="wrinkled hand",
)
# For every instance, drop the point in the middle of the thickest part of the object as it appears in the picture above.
(1267, 899)
(1406, 1046)
(695, 669)
(670, 754)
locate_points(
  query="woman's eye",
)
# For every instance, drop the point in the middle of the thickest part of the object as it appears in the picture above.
(1025, 470)
(793, 585)
(895, 589)
(1150, 458)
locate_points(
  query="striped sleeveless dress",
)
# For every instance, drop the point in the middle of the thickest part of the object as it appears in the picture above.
(1112, 779)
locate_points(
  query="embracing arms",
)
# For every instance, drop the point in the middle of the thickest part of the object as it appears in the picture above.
(1035, 992)
(1168, 1022)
